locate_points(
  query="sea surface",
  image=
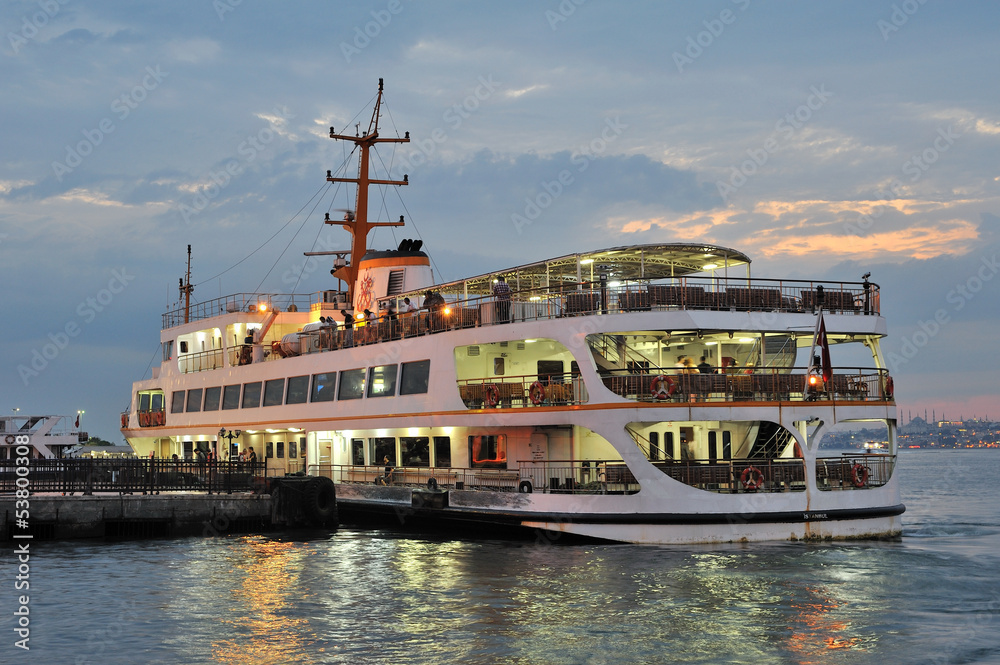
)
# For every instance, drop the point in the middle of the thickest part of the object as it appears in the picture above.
(360, 596)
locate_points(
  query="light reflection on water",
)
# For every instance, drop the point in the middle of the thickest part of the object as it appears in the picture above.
(376, 596)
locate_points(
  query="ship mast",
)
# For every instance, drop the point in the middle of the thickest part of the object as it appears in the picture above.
(358, 223)
(186, 287)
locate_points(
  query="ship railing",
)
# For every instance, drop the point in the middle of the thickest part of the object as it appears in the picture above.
(738, 475)
(132, 476)
(202, 361)
(768, 384)
(523, 390)
(710, 293)
(240, 302)
(570, 477)
(851, 471)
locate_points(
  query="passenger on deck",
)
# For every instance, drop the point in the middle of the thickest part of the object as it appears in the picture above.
(387, 476)
(501, 291)
(348, 329)
(704, 367)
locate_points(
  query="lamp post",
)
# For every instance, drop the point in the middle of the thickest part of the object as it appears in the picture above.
(79, 417)
(229, 435)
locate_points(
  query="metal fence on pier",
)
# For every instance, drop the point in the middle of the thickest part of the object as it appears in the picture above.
(130, 476)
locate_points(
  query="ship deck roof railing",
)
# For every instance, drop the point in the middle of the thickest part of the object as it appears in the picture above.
(602, 296)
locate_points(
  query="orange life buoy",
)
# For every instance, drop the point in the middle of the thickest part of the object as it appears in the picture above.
(889, 387)
(536, 393)
(663, 386)
(752, 478)
(492, 395)
(859, 475)
(124, 420)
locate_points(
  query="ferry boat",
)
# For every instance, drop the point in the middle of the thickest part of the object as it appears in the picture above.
(652, 393)
(47, 437)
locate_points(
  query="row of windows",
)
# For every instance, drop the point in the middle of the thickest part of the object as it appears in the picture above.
(485, 452)
(380, 381)
(271, 449)
(672, 451)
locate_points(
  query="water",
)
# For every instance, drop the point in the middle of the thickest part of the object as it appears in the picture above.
(382, 597)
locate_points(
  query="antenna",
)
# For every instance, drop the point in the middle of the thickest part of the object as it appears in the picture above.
(186, 288)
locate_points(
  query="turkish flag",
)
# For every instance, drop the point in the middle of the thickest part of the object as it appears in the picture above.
(825, 350)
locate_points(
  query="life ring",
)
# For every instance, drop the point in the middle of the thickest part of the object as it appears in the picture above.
(321, 501)
(124, 420)
(752, 478)
(9, 439)
(524, 487)
(659, 390)
(536, 393)
(492, 395)
(889, 387)
(432, 483)
(859, 475)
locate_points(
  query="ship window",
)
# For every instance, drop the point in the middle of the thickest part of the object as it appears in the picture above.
(358, 452)
(727, 445)
(302, 446)
(498, 366)
(323, 387)
(157, 404)
(231, 397)
(668, 445)
(273, 392)
(654, 446)
(293, 449)
(168, 350)
(352, 384)
(298, 390)
(177, 404)
(442, 451)
(251, 395)
(382, 447)
(143, 402)
(414, 378)
(188, 450)
(550, 371)
(488, 451)
(194, 400)
(713, 446)
(269, 449)
(280, 448)
(414, 451)
(382, 380)
(212, 396)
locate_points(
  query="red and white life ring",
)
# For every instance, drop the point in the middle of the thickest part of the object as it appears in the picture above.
(752, 478)
(663, 386)
(124, 420)
(859, 475)
(889, 387)
(492, 395)
(536, 393)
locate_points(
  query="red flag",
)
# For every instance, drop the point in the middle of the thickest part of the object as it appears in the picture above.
(825, 347)
(77, 421)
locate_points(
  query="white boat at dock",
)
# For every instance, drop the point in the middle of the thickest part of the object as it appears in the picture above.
(557, 406)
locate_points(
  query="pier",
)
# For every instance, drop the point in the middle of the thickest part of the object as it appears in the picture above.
(129, 498)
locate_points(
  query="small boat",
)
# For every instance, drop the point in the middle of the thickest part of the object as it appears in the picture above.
(653, 393)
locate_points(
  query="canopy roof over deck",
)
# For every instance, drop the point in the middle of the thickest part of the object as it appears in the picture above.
(627, 263)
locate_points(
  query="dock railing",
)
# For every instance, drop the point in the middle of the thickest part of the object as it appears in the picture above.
(131, 476)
